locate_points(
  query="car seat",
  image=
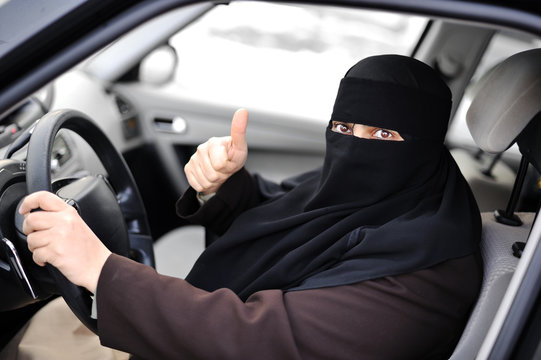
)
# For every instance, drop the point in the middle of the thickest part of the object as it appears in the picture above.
(507, 109)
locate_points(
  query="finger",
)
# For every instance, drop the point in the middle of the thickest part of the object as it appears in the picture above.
(196, 178)
(40, 256)
(218, 158)
(192, 180)
(202, 178)
(211, 158)
(44, 220)
(214, 155)
(42, 199)
(191, 167)
(239, 125)
(37, 240)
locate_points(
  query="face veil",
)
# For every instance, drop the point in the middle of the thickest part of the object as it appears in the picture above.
(366, 171)
(392, 93)
(375, 208)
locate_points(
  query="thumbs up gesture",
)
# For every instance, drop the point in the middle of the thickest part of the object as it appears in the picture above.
(219, 158)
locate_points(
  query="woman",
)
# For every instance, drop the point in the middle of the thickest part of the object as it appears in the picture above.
(372, 256)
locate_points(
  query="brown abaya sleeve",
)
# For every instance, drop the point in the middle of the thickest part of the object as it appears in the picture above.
(413, 316)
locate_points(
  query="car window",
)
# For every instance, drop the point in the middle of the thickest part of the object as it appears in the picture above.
(19, 20)
(502, 45)
(294, 55)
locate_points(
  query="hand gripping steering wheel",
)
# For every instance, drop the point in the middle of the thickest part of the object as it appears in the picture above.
(111, 206)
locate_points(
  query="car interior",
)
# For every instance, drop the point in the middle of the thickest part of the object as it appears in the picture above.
(499, 116)
(174, 81)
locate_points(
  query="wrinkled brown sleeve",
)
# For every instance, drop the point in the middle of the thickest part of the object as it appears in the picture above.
(413, 316)
(160, 317)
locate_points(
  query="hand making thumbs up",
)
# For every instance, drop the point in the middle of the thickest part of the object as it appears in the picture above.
(219, 158)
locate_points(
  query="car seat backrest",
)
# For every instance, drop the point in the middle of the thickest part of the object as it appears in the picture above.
(499, 264)
(506, 109)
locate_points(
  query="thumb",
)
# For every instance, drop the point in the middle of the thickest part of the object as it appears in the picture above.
(238, 132)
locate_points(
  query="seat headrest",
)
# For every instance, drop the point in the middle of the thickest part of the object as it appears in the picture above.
(506, 102)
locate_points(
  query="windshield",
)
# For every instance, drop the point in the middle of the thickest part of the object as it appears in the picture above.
(19, 20)
(252, 43)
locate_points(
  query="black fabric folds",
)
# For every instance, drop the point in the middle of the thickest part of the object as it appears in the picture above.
(376, 208)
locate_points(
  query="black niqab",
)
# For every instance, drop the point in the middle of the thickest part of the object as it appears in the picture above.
(376, 208)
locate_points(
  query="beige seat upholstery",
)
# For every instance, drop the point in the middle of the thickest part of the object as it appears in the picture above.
(177, 251)
(498, 265)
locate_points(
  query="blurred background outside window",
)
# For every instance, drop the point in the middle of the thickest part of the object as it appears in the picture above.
(284, 58)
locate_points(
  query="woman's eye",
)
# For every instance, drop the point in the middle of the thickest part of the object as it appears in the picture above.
(383, 134)
(342, 128)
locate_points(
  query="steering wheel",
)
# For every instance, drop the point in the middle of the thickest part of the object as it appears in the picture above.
(111, 206)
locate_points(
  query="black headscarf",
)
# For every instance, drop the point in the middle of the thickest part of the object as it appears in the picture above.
(376, 208)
